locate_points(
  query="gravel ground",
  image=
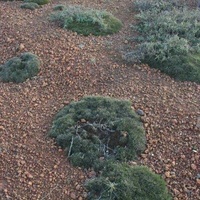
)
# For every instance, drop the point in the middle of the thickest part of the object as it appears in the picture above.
(31, 165)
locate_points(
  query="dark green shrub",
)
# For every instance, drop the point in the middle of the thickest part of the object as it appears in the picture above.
(169, 37)
(30, 6)
(39, 2)
(18, 69)
(87, 21)
(96, 129)
(123, 182)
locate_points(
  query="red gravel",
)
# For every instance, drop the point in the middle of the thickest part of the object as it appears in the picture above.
(31, 166)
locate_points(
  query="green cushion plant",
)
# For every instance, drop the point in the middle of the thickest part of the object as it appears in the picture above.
(86, 21)
(30, 6)
(123, 182)
(96, 129)
(39, 2)
(18, 69)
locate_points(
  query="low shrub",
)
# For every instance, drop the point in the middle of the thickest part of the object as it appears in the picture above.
(157, 5)
(86, 21)
(168, 38)
(18, 69)
(121, 181)
(96, 129)
(30, 6)
(39, 2)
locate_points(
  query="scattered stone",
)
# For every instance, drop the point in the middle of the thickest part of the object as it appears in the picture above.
(92, 174)
(30, 183)
(73, 195)
(194, 150)
(140, 112)
(21, 47)
(2, 128)
(1, 186)
(183, 156)
(84, 194)
(78, 187)
(55, 166)
(176, 192)
(83, 121)
(9, 40)
(173, 163)
(143, 155)
(44, 84)
(81, 46)
(29, 175)
(198, 122)
(167, 174)
(193, 166)
(42, 175)
(173, 174)
(174, 121)
(132, 163)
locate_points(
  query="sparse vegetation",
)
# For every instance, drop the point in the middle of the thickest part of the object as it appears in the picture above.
(86, 21)
(124, 182)
(94, 132)
(30, 6)
(96, 129)
(168, 39)
(18, 69)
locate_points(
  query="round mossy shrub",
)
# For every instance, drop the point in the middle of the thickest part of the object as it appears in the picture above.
(124, 182)
(18, 69)
(96, 129)
(39, 2)
(87, 21)
(29, 5)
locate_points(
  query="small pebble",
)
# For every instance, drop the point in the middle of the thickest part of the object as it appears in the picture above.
(73, 195)
(140, 112)
(193, 166)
